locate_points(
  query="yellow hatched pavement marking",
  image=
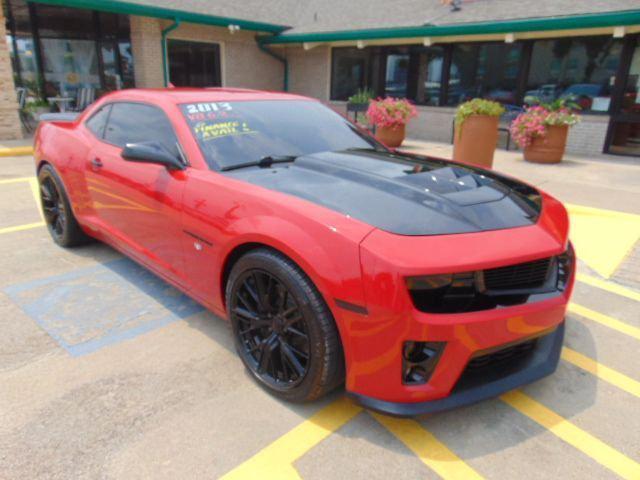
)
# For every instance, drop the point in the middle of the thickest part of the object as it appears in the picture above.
(607, 374)
(35, 190)
(608, 286)
(276, 460)
(20, 228)
(573, 435)
(431, 451)
(605, 320)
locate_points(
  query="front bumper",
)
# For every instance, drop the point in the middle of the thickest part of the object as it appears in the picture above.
(542, 362)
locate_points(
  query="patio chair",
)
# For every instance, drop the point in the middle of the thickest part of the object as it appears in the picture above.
(21, 92)
(85, 96)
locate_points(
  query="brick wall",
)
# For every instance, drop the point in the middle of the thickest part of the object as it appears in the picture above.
(10, 127)
(243, 63)
(309, 71)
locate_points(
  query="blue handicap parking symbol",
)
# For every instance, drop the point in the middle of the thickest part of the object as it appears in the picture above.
(93, 307)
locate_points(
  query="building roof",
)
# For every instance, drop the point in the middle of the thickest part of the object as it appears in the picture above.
(340, 15)
(326, 20)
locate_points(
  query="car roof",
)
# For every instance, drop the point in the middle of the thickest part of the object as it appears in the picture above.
(179, 95)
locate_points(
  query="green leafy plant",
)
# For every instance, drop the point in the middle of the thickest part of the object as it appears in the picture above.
(477, 106)
(33, 105)
(362, 96)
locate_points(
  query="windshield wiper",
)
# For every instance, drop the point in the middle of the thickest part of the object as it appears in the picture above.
(264, 162)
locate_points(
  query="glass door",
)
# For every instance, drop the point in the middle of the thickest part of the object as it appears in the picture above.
(623, 137)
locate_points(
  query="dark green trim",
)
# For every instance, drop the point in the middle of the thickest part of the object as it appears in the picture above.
(165, 60)
(569, 22)
(280, 58)
(130, 8)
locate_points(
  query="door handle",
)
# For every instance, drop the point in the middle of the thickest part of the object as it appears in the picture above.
(96, 162)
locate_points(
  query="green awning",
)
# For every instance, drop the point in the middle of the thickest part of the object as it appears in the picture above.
(569, 22)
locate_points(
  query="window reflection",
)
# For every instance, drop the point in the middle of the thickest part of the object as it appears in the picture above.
(397, 72)
(484, 70)
(429, 81)
(582, 69)
(349, 67)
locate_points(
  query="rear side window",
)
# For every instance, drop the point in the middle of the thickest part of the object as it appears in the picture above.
(98, 121)
(137, 123)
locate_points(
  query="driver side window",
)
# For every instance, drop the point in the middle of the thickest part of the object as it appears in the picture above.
(136, 123)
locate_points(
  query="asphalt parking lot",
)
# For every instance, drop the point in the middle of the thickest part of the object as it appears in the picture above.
(108, 372)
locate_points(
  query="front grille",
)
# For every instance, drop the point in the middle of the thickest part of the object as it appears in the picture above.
(492, 288)
(523, 275)
(502, 357)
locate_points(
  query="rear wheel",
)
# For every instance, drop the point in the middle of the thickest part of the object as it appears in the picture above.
(284, 332)
(58, 216)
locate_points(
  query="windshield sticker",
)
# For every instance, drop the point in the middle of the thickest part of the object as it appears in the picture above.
(210, 131)
(208, 107)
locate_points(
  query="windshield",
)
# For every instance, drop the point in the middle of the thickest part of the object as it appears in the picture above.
(232, 133)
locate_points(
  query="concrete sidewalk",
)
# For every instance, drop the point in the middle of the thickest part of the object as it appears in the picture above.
(607, 181)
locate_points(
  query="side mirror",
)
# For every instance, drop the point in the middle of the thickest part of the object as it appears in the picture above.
(151, 152)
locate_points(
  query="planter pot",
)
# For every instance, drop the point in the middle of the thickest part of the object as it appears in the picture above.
(550, 148)
(475, 141)
(391, 137)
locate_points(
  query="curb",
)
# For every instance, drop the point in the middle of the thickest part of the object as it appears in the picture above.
(16, 151)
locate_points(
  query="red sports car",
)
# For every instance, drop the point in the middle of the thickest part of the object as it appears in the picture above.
(420, 283)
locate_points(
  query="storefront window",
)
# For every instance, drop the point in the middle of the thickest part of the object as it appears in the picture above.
(429, 78)
(397, 74)
(349, 70)
(487, 70)
(73, 44)
(582, 69)
(69, 65)
(625, 134)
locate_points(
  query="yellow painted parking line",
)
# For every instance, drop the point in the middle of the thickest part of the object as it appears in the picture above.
(607, 374)
(5, 181)
(431, 451)
(276, 460)
(20, 228)
(605, 320)
(16, 151)
(608, 286)
(585, 442)
(35, 190)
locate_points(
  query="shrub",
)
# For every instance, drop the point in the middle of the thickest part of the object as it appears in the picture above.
(390, 112)
(362, 96)
(533, 122)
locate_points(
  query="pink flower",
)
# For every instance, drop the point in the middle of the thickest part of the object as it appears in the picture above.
(390, 112)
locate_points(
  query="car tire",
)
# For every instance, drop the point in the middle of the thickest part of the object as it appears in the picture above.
(285, 317)
(59, 218)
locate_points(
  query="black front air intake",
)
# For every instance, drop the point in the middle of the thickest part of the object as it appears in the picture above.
(492, 288)
(523, 275)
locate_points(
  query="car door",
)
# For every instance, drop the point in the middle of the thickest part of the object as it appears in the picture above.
(137, 205)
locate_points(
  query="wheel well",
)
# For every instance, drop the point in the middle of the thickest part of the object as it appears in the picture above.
(231, 260)
(41, 164)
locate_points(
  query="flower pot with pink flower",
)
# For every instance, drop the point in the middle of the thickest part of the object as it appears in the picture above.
(541, 130)
(390, 117)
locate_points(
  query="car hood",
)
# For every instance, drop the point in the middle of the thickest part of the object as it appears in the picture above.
(401, 193)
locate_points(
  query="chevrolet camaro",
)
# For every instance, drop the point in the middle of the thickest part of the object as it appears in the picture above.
(419, 283)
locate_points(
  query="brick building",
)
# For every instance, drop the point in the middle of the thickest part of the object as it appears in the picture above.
(436, 55)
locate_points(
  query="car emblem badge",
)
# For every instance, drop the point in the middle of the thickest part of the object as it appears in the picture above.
(197, 246)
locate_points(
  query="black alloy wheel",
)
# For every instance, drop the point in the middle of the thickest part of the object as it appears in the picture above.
(283, 330)
(53, 208)
(271, 329)
(58, 215)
